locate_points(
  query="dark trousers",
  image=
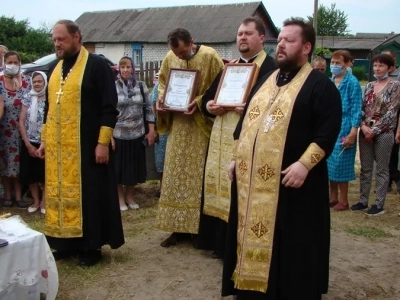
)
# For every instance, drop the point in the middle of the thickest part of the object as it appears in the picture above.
(394, 173)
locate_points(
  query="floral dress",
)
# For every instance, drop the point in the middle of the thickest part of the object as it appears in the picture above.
(9, 133)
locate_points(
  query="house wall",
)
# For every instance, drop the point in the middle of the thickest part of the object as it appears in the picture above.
(114, 52)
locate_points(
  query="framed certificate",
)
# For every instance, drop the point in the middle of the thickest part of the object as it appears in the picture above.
(235, 84)
(180, 89)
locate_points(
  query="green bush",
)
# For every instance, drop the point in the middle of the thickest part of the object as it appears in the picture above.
(360, 73)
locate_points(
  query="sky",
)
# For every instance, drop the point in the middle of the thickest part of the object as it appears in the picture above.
(363, 15)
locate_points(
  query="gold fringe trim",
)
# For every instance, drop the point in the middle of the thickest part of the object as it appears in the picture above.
(249, 284)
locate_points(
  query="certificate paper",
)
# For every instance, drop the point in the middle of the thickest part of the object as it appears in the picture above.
(180, 89)
(235, 84)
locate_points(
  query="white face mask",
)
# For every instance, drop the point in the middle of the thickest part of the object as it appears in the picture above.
(11, 70)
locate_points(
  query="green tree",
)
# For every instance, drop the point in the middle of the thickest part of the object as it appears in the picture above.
(321, 51)
(19, 36)
(331, 21)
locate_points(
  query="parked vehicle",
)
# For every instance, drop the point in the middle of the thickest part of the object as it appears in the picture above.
(45, 63)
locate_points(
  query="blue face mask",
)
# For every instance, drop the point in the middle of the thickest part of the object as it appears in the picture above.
(336, 70)
(382, 77)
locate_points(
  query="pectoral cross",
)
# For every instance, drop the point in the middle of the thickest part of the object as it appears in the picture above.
(268, 123)
(59, 94)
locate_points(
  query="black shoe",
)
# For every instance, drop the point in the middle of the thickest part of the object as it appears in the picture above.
(375, 211)
(8, 203)
(89, 258)
(358, 206)
(22, 203)
(58, 255)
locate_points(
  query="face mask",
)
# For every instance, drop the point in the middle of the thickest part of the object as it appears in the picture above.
(382, 77)
(336, 70)
(191, 54)
(11, 70)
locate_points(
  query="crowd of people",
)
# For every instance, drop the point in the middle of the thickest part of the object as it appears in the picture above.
(254, 184)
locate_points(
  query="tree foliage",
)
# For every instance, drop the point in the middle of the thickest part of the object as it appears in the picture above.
(19, 36)
(331, 21)
(322, 51)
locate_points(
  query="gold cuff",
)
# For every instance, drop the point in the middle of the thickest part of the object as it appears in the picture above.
(312, 156)
(234, 150)
(43, 133)
(105, 135)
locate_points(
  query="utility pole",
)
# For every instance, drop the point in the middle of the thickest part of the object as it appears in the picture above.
(315, 23)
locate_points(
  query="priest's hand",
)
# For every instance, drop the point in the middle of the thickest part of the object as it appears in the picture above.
(231, 170)
(40, 151)
(192, 107)
(214, 109)
(160, 106)
(240, 108)
(101, 154)
(295, 175)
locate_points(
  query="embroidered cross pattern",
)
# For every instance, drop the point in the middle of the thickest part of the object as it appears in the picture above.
(254, 113)
(242, 168)
(277, 115)
(266, 172)
(315, 158)
(259, 229)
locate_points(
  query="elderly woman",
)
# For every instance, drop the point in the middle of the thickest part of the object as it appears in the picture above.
(14, 86)
(135, 118)
(341, 161)
(30, 124)
(3, 50)
(379, 113)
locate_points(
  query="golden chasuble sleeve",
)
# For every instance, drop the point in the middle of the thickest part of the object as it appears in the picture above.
(312, 156)
(105, 135)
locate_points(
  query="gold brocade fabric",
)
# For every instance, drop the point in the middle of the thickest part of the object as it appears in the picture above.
(63, 160)
(258, 173)
(179, 205)
(208, 62)
(180, 200)
(217, 186)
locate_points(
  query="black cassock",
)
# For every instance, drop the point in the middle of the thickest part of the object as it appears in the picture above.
(300, 256)
(100, 206)
(212, 230)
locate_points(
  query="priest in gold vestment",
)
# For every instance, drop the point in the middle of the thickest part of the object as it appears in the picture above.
(82, 210)
(189, 132)
(279, 223)
(213, 224)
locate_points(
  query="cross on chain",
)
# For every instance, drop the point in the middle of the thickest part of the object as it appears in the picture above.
(59, 94)
(268, 123)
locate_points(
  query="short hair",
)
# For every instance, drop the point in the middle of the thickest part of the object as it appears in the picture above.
(260, 27)
(342, 53)
(391, 53)
(179, 34)
(12, 53)
(307, 31)
(72, 28)
(319, 59)
(385, 59)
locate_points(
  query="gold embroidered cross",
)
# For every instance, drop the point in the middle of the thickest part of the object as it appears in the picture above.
(254, 113)
(259, 229)
(266, 172)
(59, 94)
(277, 115)
(315, 158)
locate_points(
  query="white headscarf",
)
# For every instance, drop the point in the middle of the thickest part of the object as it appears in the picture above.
(34, 98)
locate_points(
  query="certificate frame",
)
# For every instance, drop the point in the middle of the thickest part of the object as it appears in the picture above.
(236, 86)
(180, 89)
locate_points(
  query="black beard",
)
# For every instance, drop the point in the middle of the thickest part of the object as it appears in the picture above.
(287, 66)
(69, 53)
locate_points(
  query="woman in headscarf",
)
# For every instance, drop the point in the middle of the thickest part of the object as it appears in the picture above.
(30, 125)
(132, 133)
(13, 85)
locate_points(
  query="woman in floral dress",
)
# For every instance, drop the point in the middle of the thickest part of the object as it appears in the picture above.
(13, 85)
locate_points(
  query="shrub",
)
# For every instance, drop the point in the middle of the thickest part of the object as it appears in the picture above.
(360, 73)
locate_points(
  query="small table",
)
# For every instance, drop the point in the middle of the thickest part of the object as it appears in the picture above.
(27, 266)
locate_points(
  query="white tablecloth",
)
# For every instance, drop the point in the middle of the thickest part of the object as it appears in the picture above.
(27, 266)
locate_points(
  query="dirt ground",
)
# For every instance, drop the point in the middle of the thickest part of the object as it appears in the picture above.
(365, 260)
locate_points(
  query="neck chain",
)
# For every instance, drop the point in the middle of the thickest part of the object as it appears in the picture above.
(62, 84)
(275, 116)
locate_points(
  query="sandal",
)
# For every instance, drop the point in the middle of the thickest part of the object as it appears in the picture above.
(21, 203)
(333, 203)
(8, 203)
